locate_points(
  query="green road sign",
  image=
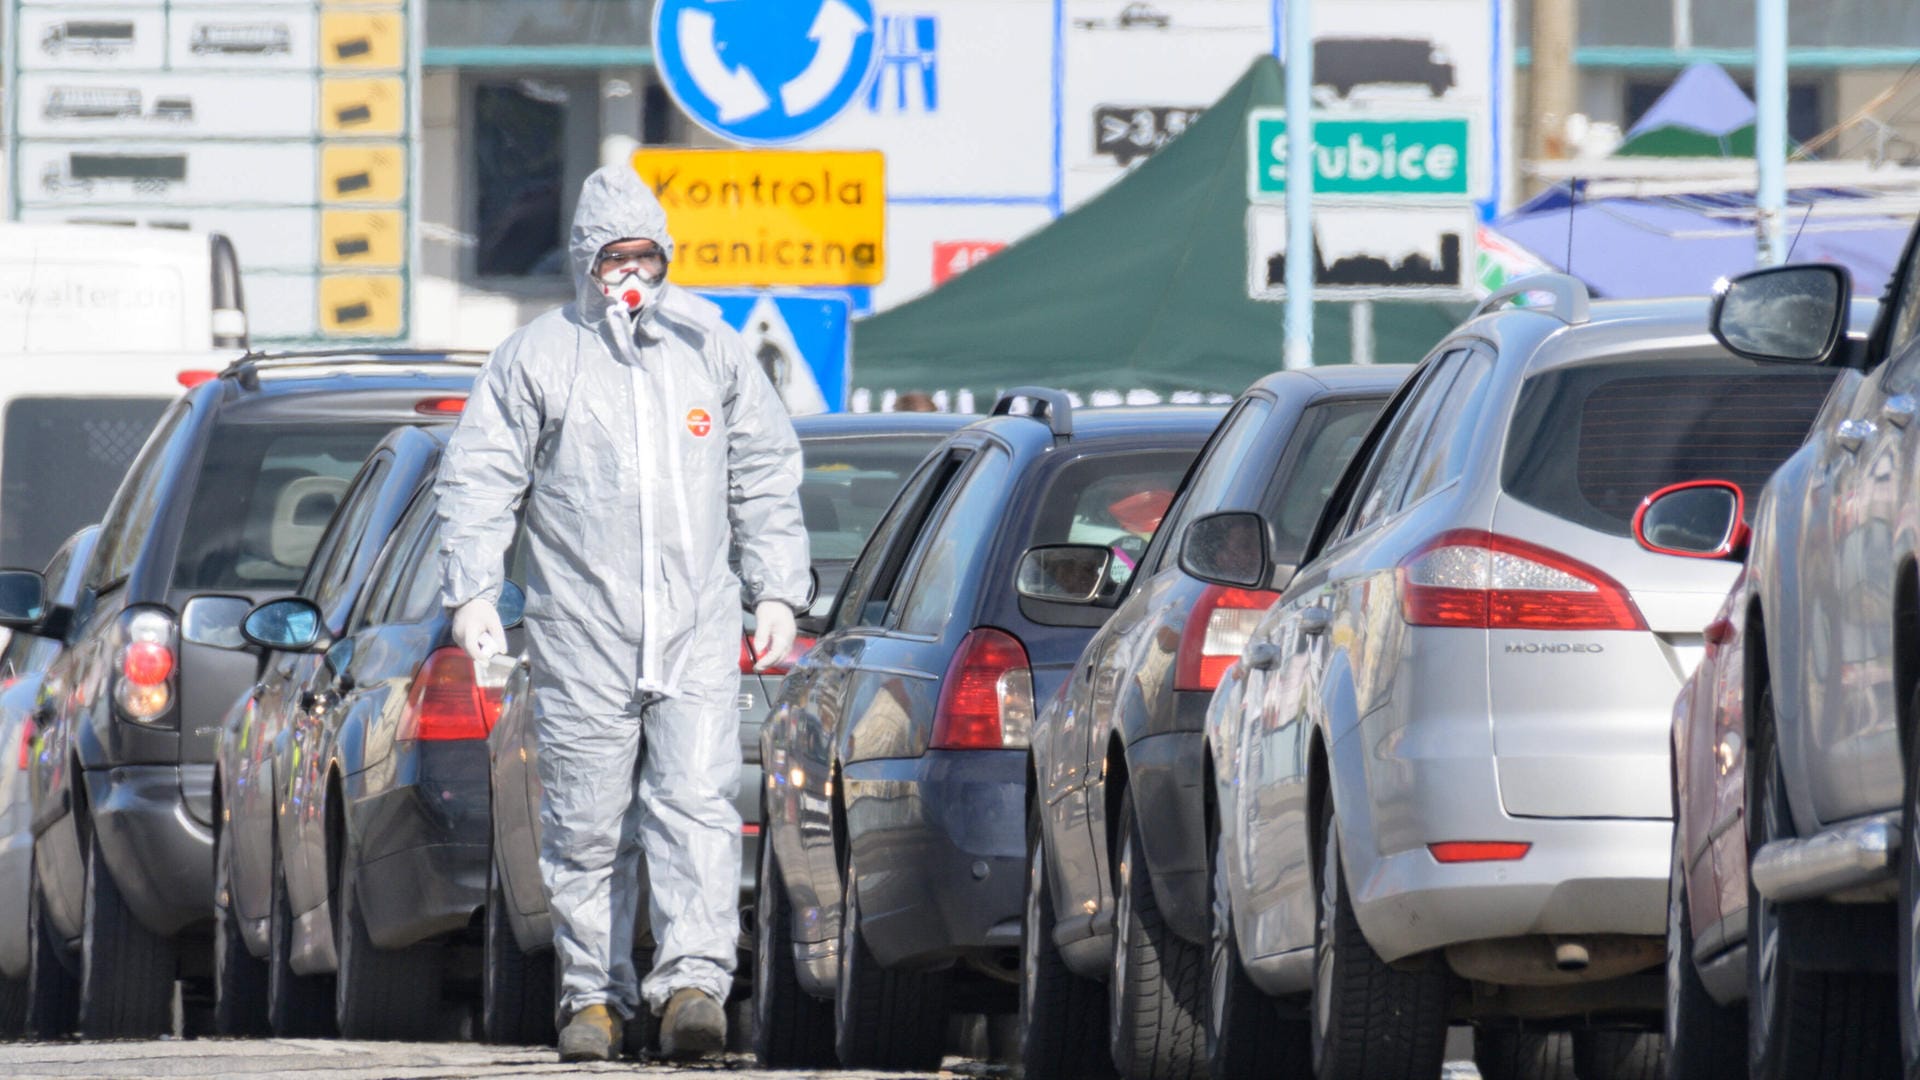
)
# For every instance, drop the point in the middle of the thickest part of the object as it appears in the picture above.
(1375, 156)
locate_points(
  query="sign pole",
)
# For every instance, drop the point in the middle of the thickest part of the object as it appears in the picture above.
(1299, 61)
(1361, 312)
(1770, 136)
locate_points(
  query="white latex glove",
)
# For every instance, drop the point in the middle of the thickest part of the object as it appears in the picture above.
(477, 629)
(773, 633)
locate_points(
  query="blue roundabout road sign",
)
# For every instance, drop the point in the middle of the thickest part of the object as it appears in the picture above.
(764, 72)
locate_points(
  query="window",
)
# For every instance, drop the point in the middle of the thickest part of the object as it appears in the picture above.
(1329, 436)
(130, 516)
(64, 456)
(1379, 493)
(1588, 443)
(1220, 464)
(384, 577)
(947, 554)
(869, 585)
(332, 565)
(1452, 431)
(523, 174)
(263, 498)
(1906, 317)
(848, 485)
(1117, 500)
(418, 597)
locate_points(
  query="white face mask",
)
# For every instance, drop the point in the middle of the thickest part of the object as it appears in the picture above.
(634, 282)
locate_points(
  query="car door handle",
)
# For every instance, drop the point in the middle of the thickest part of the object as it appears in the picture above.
(1315, 621)
(1263, 656)
(1899, 409)
(1851, 433)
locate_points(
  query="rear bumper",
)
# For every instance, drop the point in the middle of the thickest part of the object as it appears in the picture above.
(423, 844)
(940, 843)
(160, 854)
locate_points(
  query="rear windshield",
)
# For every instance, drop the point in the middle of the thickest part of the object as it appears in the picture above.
(849, 483)
(63, 459)
(1116, 500)
(1588, 443)
(264, 495)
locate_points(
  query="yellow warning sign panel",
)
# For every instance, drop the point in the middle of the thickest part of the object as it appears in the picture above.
(363, 106)
(363, 238)
(772, 217)
(362, 305)
(363, 174)
(363, 40)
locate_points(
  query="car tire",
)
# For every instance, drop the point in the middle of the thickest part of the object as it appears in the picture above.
(1614, 1054)
(1370, 1021)
(297, 1005)
(53, 984)
(1907, 956)
(1705, 1039)
(1063, 1016)
(239, 978)
(1512, 1052)
(1157, 991)
(385, 994)
(1802, 1023)
(792, 1029)
(517, 988)
(884, 1019)
(126, 970)
(1248, 1032)
(14, 994)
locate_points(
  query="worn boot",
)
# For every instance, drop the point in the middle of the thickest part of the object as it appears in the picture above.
(592, 1034)
(694, 1025)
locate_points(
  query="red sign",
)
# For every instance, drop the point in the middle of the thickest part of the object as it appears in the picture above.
(954, 257)
(699, 421)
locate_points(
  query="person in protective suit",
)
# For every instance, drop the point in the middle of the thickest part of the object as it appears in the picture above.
(640, 441)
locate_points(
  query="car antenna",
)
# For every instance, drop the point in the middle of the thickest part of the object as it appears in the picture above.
(1804, 218)
(1573, 201)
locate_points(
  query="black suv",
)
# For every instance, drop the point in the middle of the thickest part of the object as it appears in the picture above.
(221, 509)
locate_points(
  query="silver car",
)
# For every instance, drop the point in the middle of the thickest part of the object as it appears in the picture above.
(1440, 767)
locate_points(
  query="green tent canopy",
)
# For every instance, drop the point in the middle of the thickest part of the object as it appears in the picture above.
(1143, 288)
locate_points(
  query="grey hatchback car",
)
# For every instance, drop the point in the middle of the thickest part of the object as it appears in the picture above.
(1440, 767)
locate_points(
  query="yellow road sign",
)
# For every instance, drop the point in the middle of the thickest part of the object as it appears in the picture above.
(362, 305)
(363, 106)
(363, 174)
(367, 41)
(363, 238)
(772, 217)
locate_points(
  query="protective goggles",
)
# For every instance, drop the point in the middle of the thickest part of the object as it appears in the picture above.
(615, 263)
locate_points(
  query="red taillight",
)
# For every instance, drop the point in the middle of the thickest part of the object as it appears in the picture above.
(447, 702)
(751, 828)
(27, 732)
(1472, 578)
(801, 646)
(1459, 851)
(191, 379)
(1217, 630)
(986, 702)
(146, 663)
(440, 406)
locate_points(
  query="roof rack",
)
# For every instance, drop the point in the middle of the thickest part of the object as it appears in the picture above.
(1048, 404)
(247, 369)
(1570, 297)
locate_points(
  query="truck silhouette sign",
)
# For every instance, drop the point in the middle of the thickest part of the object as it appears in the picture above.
(100, 37)
(247, 39)
(1344, 64)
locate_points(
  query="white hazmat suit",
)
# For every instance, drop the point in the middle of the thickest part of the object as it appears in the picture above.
(639, 452)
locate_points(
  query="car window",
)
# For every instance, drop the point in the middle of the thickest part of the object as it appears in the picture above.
(1450, 436)
(384, 578)
(333, 561)
(945, 557)
(1221, 462)
(130, 517)
(418, 597)
(63, 458)
(1327, 437)
(1906, 306)
(264, 496)
(1393, 464)
(848, 484)
(1116, 500)
(1588, 443)
(869, 585)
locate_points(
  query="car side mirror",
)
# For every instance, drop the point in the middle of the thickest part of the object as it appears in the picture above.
(1228, 548)
(512, 605)
(215, 621)
(23, 599)
(1783, 314)
(1699, 519)
(1064, 573)
(290, 624)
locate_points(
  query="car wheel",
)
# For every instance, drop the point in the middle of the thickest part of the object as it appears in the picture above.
(1157, 992)
(1801, 1023)
(517, 988)
(297, 1005)
(1063, 1016)
(792, 1029)
(884, 1019)
(1370, 1021)
(1907, 968)
(1609, 1054)
(53, 987)
(239, 978)
(1512, 1052)
(1705, 1039)
(1249, 1033)
(126, 970)
(13, 1007)
(389, 994)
